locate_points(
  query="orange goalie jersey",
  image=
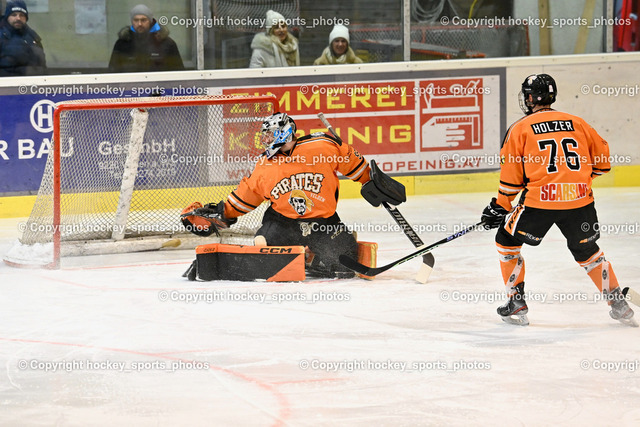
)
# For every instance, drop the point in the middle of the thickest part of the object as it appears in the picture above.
(303, 184)
(552, 156)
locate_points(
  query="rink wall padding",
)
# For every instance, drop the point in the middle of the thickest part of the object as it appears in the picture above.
(620, 176)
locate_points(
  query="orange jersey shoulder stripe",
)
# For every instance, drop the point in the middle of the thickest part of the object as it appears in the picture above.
(240, 205)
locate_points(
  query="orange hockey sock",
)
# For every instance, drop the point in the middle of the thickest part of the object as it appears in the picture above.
(600, 272)
(512, 266)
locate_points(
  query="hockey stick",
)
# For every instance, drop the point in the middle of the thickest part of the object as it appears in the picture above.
(173, 243)
(373, 271)
(631, 295)
(428, 260)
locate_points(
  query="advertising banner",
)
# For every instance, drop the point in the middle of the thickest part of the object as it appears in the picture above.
(416, 126)
(411, 123)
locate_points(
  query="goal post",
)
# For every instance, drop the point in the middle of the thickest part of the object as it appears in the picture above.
(120, 171)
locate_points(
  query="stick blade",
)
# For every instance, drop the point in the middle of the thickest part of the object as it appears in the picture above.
(361, 268)
(354, 265)
(428, 261)
(424, 273)
(173, 243)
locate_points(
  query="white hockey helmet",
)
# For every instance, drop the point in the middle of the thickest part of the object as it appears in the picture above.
(277, 130)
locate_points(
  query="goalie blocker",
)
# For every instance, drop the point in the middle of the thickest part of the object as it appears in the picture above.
(382, 188)
(270, 263)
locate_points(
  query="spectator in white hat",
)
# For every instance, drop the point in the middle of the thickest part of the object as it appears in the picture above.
(275, 47)
(338, 51)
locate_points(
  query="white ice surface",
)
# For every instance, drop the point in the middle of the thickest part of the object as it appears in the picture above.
(572, 366)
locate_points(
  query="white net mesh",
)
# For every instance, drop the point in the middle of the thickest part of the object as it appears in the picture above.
(128, 167)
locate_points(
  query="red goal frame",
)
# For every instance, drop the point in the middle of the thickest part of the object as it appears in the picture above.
(113, 103)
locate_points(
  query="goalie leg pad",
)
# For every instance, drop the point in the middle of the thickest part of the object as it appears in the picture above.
(367, 255)
(248, 263)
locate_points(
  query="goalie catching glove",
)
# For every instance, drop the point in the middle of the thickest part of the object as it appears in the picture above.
(493, 215)
(205, 220)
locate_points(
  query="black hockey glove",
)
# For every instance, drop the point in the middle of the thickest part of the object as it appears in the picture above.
(205, 220)
(382, 188)
(493, 215)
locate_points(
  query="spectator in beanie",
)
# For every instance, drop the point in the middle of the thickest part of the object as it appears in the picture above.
(21, 51)
(338, 51)
(275, 47)
(144, 46)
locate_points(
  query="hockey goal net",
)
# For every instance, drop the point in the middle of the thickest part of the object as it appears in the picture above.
(121, 170)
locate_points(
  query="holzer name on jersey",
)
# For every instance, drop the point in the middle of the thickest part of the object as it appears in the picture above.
(553, 126)
(305, 181)
(567, 192)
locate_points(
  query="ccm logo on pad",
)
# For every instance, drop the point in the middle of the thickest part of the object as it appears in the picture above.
(269, 250)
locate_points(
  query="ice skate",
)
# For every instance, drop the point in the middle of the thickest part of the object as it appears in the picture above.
(620, 309)
(515, 310)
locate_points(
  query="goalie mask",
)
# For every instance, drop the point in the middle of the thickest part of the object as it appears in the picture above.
(542, 89)
(276, 130)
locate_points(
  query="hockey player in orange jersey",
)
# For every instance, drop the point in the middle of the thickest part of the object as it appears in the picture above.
(299, 176)
(551, 158)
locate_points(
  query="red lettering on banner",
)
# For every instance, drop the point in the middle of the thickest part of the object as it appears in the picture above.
(384, 135)
(418, 119)
(341, 97)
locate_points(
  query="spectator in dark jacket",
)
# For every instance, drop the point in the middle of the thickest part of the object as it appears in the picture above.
(144, 46)
(21, 51)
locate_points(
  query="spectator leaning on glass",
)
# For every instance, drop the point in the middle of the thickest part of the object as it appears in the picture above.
(275, 47)
(338, 51)
(144, 46)
(21, 51)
